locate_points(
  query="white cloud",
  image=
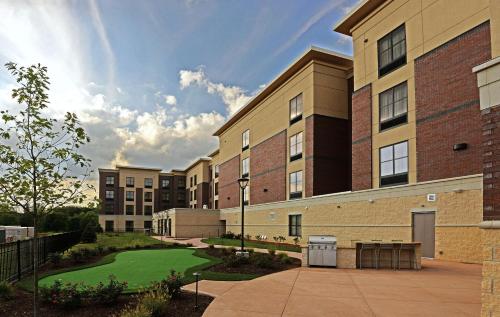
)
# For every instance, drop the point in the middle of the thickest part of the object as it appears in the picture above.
(234, 97)
(170, 100)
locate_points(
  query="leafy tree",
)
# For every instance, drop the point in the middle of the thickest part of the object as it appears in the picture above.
(40, 165)
(56, 221)
(9, 218)
(89, 234)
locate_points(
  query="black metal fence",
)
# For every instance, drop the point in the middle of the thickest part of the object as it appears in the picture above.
(16, 258)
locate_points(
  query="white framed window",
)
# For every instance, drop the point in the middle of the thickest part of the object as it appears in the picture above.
(295, 185)
(296, 146)
(295, 225)
(148, 183)
(110, 180)
(148, 196)
(394, 164)
(245, 140)
(165, 183)
(217, 168)
(245, 167)
(129, 196)
(296, 105)
(110, 194)
(129, 181)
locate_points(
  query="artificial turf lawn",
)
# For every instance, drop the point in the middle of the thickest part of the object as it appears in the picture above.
(138, 268)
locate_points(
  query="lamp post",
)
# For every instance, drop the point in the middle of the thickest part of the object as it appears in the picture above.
(197, 276)
(243, 184)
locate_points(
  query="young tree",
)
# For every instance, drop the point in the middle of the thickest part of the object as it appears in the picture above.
(40, 164)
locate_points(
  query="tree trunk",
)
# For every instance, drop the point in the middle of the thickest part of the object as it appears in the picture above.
(35, 246)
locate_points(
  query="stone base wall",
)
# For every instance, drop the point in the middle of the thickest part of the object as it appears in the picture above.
(490, 288)
(378, 214)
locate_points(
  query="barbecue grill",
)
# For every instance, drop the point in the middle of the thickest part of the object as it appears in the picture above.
(322, 250)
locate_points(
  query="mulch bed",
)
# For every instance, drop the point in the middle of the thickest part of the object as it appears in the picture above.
(22, 306)
(249, 268)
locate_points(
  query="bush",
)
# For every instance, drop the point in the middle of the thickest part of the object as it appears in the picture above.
(68, 295)
(55, 258)
(250, 251)
(189, 245)
(284, 258)
(76, 256)
(211, 246)
(6, 290)
(264, 261)
(155, 303)
(248, 237)
(107, 294)
(138, 311)
(89, 234)
(112, 249)
(100, 249)
(271, 252)
(234, 260)
(74, 295)
(296, 240)
(228, 235)
(171, 285)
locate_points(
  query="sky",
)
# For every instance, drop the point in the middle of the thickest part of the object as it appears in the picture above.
(152, 80)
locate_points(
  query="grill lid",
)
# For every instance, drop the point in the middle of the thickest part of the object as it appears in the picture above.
(323, 239)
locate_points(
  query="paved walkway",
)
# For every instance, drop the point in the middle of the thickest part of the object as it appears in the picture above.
(196, 242)
(439, 289)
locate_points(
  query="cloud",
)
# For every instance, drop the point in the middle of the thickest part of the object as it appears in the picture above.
(331, 5)
(170, 100)
(234, 97)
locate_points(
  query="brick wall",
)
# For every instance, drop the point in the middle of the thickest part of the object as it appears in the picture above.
(327, 155)
(229, 190)
(102, 192)
(268, 170)
(447, 106)
(491, 163)
(362, 138)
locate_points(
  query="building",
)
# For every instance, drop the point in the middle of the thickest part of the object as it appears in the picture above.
(130, 195)
(198, 178)
(214, 170)
(292, 139)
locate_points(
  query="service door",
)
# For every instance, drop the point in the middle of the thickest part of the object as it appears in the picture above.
(424, 231)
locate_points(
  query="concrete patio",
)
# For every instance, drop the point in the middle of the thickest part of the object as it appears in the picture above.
(439, 289)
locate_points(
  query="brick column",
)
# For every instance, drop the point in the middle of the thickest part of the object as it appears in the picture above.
(490, 115)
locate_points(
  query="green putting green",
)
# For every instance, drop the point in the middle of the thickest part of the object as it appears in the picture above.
(138, 268)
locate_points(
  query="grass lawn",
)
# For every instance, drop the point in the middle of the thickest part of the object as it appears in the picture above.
(120, 241)
(253, 244)
(139, 268)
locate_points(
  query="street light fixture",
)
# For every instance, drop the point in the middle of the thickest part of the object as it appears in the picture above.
(243, 182)
(197, 276)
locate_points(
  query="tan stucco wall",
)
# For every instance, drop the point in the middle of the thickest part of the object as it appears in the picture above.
(429, 24)
(139, 176)
(352, 217)
(192, 223)
(119, 221)
(490, 288)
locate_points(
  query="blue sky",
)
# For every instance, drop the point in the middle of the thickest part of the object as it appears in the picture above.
(151, 80)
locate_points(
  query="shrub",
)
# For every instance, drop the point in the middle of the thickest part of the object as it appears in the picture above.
(275, 239)
(89, 234)
(55, 258)
(211, 246)
(109, 293)
(250, 251)
(282, 239)
(238, 236)
(6, 290)
(138, 311)
(296, 240)
(228, 235)
(284, 258)
(189, 245)
(112, 249)
(271, 252)
(68, 295)
(235, 261)
(137, 246)
(264, 261)
(76, 256)
(155, 303)
(174, 284)
(100, 249)
(248, 237)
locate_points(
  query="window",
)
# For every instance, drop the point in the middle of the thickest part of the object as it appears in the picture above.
(190, 196)
(295, 225)
(181, 182)
(165, 183)
(245, 167)
(148, 197)
(181, 196)
(216, 188)
(296, 147)
(296, 109)
(110, 180)
(393, 105)
(296, 185)
(165, 197)
(191, 181)
(392, 51)
(216, 171)
(195, 197)
(129, 181)
(148, 224)
(246, 194)
(245, 137)
(148, 210)
(129, 209)
(129, 196)
(394, 164)
(110, 194)
(109, 226)
(216, 204)
(129, 226)
(148, 183)
(195, 181)
(108, 209)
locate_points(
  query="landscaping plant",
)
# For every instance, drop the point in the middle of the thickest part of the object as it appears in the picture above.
(55, 258)
(6, 290)
(109, 293)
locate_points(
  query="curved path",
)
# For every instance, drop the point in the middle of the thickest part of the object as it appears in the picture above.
(440, 289)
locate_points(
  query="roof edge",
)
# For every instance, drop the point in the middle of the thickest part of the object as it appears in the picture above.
(360, 11)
